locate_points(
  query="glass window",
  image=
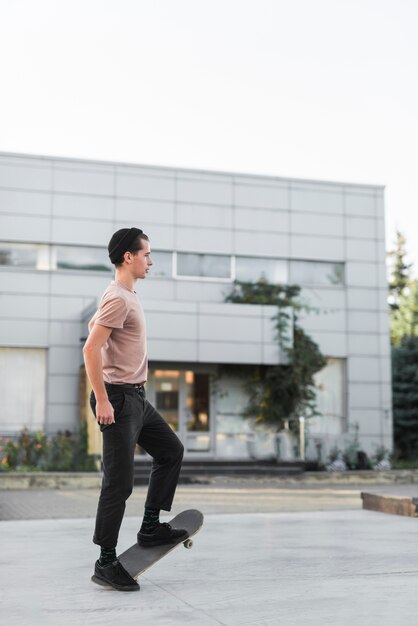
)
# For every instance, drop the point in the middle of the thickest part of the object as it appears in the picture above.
(209, 265)
(25, 255)
(161, 264)
(252, 269)
(79, 258)
(23, 395)
(316, 273)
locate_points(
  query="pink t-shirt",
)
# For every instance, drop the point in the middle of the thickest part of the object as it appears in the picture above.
(124, 355)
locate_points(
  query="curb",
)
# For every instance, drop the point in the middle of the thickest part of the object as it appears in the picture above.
(92, 480)
(50, 480)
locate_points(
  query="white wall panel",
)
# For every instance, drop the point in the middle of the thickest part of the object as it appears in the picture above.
(79, 284)
(226, 328)
(77, 205)
(84, 181)
(155, 290)
(204, 215)
(363, 369)
(326, 320)
(323, 297)
(362, 322)
(323, 225)
(262, 220)
(18, 202)
(24, 333)
(144, 211)
(262, 244)
(61, 417)
(65, 332)
(360, 204)
(204, 191)
(161, 188)
(21, 281)
(197, 291)
(200, 240)
(64, 359)
(362, 298)
(67, 308)
(361, 274)
(364, 395)
(309, 200)
(163, 350)
(316, 248)
(36, 229)
(363, 343)
(21, 177)
(27, 306)
(63, 389)
(263, 196)
(170, 325)
(82, 232)
(360, 227)
(228, 352)
(271, 354)
(361, 250)
(331, 344)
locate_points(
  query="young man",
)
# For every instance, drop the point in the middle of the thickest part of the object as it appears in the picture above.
(115, 355)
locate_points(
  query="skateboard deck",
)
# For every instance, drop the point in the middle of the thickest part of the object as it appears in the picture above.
(137, 559)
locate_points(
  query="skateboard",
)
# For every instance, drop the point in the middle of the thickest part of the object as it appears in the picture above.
(137, 559)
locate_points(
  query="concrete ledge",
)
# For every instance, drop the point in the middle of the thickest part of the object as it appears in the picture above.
(50, 480)
(92, 480)
(394, 505)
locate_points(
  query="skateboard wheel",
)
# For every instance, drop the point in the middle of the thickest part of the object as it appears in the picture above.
(188, 543)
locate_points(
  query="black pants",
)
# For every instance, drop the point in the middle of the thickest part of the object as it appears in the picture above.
(136, 421)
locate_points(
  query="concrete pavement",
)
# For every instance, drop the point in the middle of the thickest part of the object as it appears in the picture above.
(313, 557)
(259, 569)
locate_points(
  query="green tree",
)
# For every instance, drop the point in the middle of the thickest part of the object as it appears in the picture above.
(405, 397)
(279, 392)
(401, 270)
(404, 318)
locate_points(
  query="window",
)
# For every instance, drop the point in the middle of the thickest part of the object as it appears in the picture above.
(316, 273)
(161, 264)
(25, 255)
(78, 258)
(22, 394)
(252, 269)
(207, 265)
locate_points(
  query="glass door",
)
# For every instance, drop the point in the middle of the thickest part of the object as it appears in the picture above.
(183, 399)
(197, 422)
(166, 390)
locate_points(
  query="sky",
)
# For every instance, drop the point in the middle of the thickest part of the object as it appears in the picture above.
(319, 89)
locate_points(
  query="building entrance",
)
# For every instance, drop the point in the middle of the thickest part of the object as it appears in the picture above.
(183, 399)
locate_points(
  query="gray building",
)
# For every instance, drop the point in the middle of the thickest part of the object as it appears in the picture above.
(206, 229)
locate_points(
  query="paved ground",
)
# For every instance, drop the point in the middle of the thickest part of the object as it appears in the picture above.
(294, 569)
(222, 496)
(312, 558)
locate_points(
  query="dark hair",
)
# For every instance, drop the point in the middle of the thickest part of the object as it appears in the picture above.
(135, 246)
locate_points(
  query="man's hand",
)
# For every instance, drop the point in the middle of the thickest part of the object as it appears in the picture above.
(104, 412)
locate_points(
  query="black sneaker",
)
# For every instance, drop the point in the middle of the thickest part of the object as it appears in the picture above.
(114, 575)
(164, 533)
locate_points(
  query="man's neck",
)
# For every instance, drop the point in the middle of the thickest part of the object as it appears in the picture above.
(126, 279)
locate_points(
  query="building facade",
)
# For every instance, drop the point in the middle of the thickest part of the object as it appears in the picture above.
(206, 229)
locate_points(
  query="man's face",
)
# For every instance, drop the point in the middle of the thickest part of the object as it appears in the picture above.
(141, 260)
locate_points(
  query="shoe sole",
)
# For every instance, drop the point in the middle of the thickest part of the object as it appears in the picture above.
(105, 583)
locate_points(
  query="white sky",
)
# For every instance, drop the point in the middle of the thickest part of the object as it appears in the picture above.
(321, 89)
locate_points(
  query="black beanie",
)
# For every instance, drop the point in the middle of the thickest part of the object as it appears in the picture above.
(121, 241)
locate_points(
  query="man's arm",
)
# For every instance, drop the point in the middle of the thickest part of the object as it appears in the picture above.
(94, 368)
